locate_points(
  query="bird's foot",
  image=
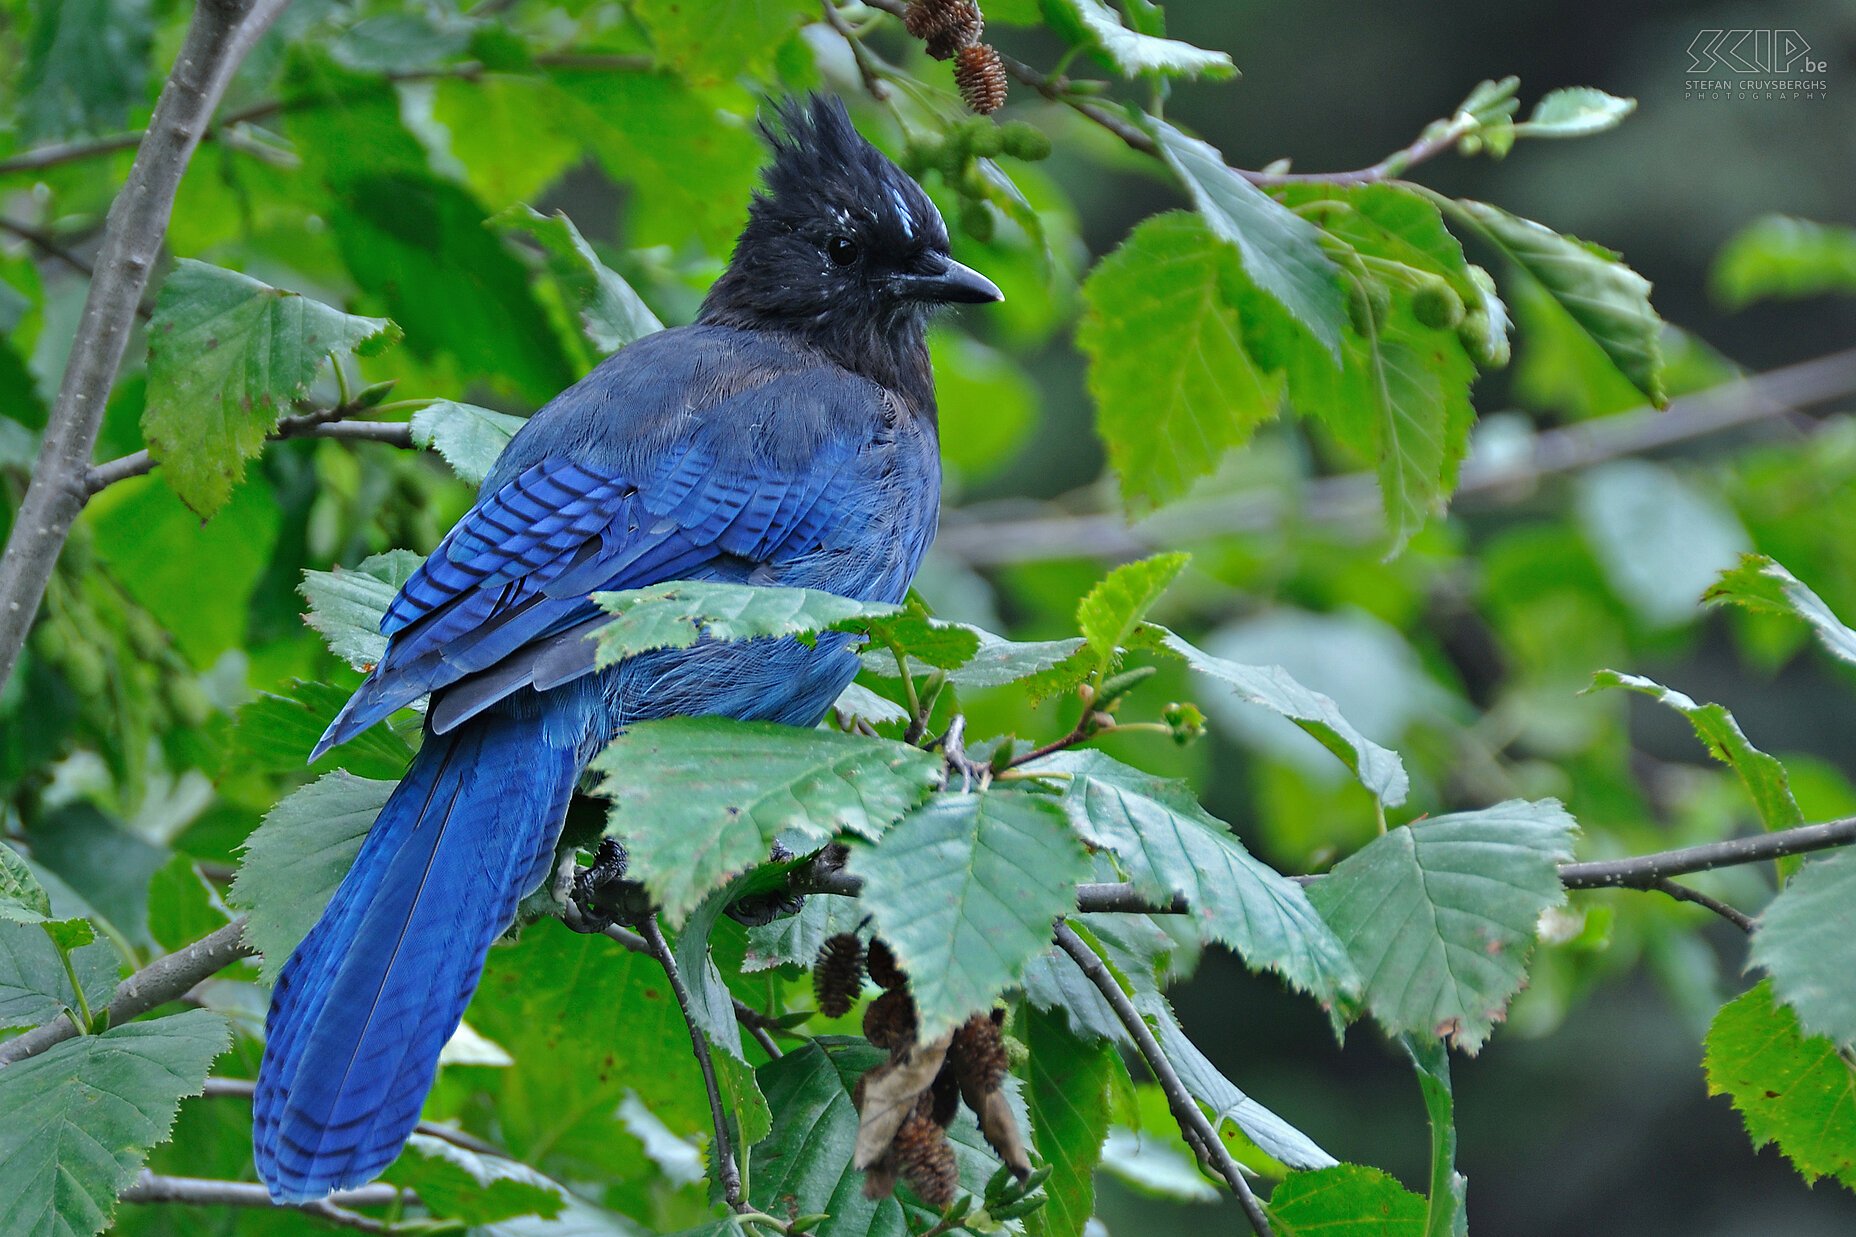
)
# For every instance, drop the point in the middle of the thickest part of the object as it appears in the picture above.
(953, 745)
(596, 897)
(760, 908)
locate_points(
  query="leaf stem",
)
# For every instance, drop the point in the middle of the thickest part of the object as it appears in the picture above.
(85, 1021)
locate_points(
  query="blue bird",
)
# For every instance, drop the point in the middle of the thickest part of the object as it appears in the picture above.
(788, 437)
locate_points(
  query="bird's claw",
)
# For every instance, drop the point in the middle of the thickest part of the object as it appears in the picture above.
(599, 896)
(762, 908)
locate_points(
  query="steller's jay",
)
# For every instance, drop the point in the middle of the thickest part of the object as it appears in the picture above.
(788, 437)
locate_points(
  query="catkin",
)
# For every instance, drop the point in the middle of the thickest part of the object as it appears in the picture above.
(981, 78)
(838, 976)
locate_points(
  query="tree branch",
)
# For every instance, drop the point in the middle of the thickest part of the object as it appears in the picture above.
(244, 1088)
(1682, 893)
(1192, 1122)
(758, 1024)
(209, 1192)
(221, 32)
(165, 979)
(1645, 871)
(723, 1154)
(1095, 898)
(138, 463)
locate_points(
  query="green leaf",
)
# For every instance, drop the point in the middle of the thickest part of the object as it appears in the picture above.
(22, 898)
(804, 1165)
(276, 733)
(468, 437)
(964, 889)
(927, 642)
(1156, 1165)
(1762, 775)
(1605, 298)
(1778, 256)
(794, 940)
(1068, 1081)
(1758, 583)
(1660, 537)
(227, 355)
(1439, 915)
(1136, 54)
(183, 905)
(457, 1184)
(34, 988)
(698, 800)
(1167, 844)
(1791, 1089)
(1804, 942)
(1575, 111)
(86, 67)
(1446, 1213)
(296, 858)
(1111, 612)
(1173, 385)
(1281, 252)
(677, 614)
(999, 662)
(611, 313)
(1379, 769)
(346, 606)
(83, 1115)
(716, 41)
(1347, 1200)
(1384, 221)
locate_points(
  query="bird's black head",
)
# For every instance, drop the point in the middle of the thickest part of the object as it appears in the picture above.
(843, 249)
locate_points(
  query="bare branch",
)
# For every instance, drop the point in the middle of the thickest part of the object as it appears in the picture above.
(167, 978)
(1095, 898)
(221, 32)
(723, 1155)
(1644, 871)
(138, 463)
(1682, 893)
(210, 1192)
(244, 1088)
(1192, 1122)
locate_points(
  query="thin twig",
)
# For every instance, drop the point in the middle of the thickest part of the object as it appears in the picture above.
(1095, 898)
(1186, 1111)
(167, 978)
(244, 1088)
(1643, 871)
(724, 1157)
(210, 1192)
(217, 38)
(759, 1025)
(47, 244)
(1682, 893)
(866, 67)
(138, 463)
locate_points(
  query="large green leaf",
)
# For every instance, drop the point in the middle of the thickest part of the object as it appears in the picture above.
(698, 800)
(1379, 768)
(611, 312)
(1173, 385)
(964, 889)
(82, 1116)
(1605, 298)
(346, 606)
(227, 355)
(22, 898)
(677, 614)
(1762, 775)
(1759, 583)
(721, 39)
(1794, 1090)
(296, 858)
(1167, 844)
(86, 67)
(468, 437)
(1805, 942)
(1347, 1200)
(1388, 222)
(1068, 1084)
(1778, 256)
(1439, 914)
(1281, 252)
(1136, 53)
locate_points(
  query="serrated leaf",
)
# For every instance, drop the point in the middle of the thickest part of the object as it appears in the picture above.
(1111, 611)
(675, 615)
(611, 313)
(227, 355)
(1575, 111)
(1759, 583)
(1347, 1200)
(1068, 1080)
(698, 800)
(859, 701)
(1384, 221)
(83, 1115)
(1777, 256)
(1167, 844)
(1791, 1089)
(1439, 915)
(1606, 299)
(1379, 768)
(794, 940)
(805, 1163)
(86, 67)
(1174, 387)
(1137, 53)
(34, 988)
(275, 734)
(458, 1184)
(468, 437)
(999, 662)
(22, 898)
(297, 856)
(346, 606)
(1762, 775)
(1806, 940)
(1281, 252)
(965, 889)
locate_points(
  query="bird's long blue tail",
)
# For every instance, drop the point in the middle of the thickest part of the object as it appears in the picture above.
(369, 998)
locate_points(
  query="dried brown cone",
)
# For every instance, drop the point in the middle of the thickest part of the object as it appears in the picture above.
(880, 1178)
(838, 975)
(926, 1160)
(944, 1096)
(945, 25)
(884, 971)
(977, 1056)
(981, 78)
(889, 1021)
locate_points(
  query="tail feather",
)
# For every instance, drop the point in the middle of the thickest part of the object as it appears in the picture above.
(369, 998)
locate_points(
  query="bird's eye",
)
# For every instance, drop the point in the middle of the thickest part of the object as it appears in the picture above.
(842, 250)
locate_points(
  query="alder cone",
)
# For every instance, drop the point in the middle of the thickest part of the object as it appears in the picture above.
(889, 1021)
(945, 26)
(926, 1160)
(838, 975)
(884, 970)
(977, 1056)
(944, 1096)
(981, 78)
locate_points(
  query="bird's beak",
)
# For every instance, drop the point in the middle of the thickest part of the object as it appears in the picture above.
(943, 280)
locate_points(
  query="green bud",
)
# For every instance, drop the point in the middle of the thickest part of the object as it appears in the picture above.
(1436, 304)
(1024, 141)
(1118, 685)
(374, 393)
(976, 220)
(983, 137)
(1368, 302)
(1185, 720)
